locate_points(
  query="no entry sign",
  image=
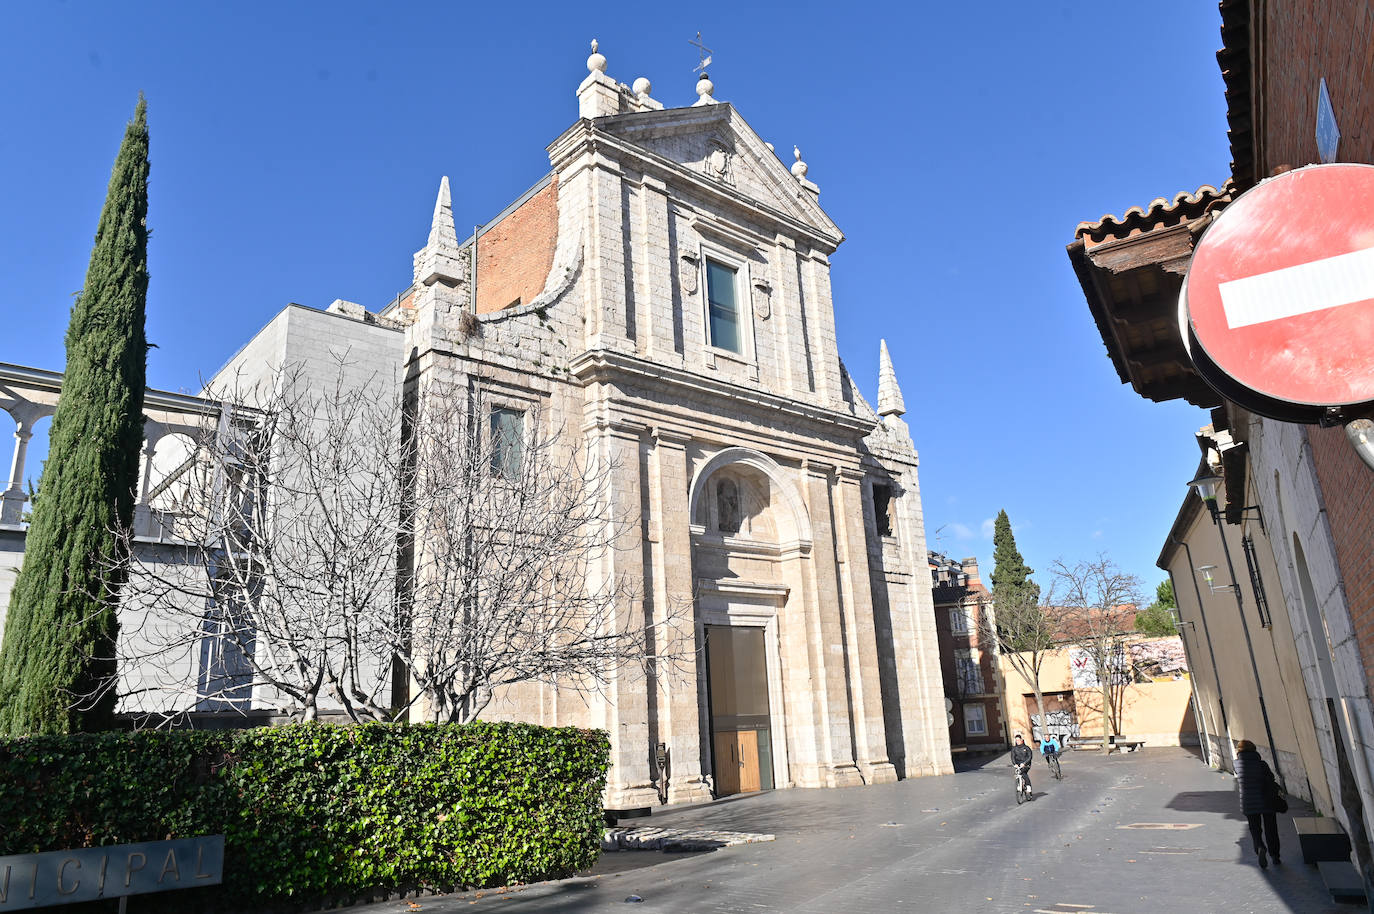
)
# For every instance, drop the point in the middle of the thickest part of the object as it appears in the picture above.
(1277, 309)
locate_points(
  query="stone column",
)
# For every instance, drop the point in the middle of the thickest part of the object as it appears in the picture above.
(143, 516)
(13, 498)
(865, 682)
(825, 605)
(630, 781)
(675, 614)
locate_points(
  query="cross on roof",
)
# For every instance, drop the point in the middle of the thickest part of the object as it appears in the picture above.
(705, 54)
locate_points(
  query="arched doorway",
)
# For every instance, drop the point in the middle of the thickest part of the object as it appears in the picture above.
(749, 535)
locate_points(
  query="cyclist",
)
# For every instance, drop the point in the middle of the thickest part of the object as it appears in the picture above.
(1050, 749)
(1021, 756)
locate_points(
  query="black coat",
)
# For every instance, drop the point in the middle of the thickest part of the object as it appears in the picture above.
(1254, 778)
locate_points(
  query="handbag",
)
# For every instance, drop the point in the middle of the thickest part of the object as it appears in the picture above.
(1277, 801)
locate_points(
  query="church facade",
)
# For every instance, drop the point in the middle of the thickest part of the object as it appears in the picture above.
(666, 290)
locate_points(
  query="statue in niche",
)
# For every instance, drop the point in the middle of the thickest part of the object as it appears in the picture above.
(727, 506)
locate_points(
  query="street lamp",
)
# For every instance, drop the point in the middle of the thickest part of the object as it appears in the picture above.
(1206, 571)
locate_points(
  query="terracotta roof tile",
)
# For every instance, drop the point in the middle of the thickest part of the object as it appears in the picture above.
(1160, 213)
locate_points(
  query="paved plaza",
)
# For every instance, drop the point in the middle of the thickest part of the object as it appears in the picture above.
(1154, 830)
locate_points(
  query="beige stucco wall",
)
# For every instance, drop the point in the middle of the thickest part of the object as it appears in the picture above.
(1222, 638)
(1158, 712)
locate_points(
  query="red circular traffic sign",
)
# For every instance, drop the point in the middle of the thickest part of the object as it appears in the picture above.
(1279, 295)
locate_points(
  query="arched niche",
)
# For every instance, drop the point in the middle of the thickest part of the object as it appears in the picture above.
(766, 504)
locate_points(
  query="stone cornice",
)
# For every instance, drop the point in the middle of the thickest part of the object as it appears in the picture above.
(605, 365)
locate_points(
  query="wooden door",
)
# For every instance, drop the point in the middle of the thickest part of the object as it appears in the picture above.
(727, 763)
(748, 761)
(737, 762)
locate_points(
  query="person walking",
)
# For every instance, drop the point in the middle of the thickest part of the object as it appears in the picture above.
(1259, 793)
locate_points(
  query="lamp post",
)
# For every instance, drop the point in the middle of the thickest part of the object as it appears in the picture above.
(1206, 483)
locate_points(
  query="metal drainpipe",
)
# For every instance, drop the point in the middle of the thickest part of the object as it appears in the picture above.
(1198, 714)
(1249, 645)
(1206, 633)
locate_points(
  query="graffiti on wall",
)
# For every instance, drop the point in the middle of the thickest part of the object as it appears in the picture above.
(1060, 723)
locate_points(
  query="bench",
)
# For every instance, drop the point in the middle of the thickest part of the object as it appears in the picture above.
(1321, 838)
(1122, 743)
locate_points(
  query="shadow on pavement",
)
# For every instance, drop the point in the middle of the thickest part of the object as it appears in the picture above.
(1217, 801)
(612, 862)
(976, 762)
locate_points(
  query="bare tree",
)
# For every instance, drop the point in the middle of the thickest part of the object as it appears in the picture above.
(341, 552)
(1023, 630)
(1093, 604)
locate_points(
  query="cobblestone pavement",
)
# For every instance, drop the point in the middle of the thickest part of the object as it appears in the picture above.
(1148, 831)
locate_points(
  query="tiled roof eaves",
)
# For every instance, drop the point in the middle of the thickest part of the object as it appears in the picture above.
(1234, 60)
(1161, 213)
(1078, 257)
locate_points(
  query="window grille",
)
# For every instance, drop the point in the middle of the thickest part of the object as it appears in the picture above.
(1256, 582)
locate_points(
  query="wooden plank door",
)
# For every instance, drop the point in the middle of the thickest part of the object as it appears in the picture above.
(727, 763)
(748, 761)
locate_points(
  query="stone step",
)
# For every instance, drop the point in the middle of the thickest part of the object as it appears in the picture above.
(1342, 880)
(1321, 838)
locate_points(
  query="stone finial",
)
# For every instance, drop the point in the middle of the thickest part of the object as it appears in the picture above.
(799, 168)
(704, 89)
(642, 87)
(597, 62)
(890, 401)
(440, 258)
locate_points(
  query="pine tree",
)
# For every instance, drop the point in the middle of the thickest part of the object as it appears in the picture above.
(1158, 619)
(57, 664)
(1009, 570)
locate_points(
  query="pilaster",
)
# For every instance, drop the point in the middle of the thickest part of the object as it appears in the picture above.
(629, 782)
(828, 630)
(865, 684)
(674, 614)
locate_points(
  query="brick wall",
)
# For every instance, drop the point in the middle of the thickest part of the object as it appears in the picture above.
(1304, 41)
(514, 256)
(1349, 488)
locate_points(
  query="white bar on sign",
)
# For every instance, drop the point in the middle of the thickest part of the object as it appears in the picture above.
(1327, 283)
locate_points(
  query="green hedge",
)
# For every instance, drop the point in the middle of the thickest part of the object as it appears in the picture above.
(314, 812)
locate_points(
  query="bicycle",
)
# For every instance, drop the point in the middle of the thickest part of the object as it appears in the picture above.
(1023, 789)
(1052, 759)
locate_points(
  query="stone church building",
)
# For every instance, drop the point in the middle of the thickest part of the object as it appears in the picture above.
(665, 292)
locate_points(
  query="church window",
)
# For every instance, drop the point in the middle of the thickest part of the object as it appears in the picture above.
(724, 306)
(727, 506)
(882, 508)
(507, 442)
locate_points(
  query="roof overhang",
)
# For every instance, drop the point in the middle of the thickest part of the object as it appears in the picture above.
(1131, 270)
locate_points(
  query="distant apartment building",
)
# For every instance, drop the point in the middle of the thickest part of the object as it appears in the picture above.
(968, 657)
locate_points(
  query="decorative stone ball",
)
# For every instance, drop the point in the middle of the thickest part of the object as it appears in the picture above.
(597, 62)
(641, 87)
(799, 168)
(705, 87)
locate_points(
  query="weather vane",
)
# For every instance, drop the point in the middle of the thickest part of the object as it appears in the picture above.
(705, 54)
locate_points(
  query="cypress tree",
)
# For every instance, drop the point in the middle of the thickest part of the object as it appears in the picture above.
(57, 664)
(1009, 570)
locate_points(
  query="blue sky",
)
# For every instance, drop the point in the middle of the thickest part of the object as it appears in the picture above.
(297, 148)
